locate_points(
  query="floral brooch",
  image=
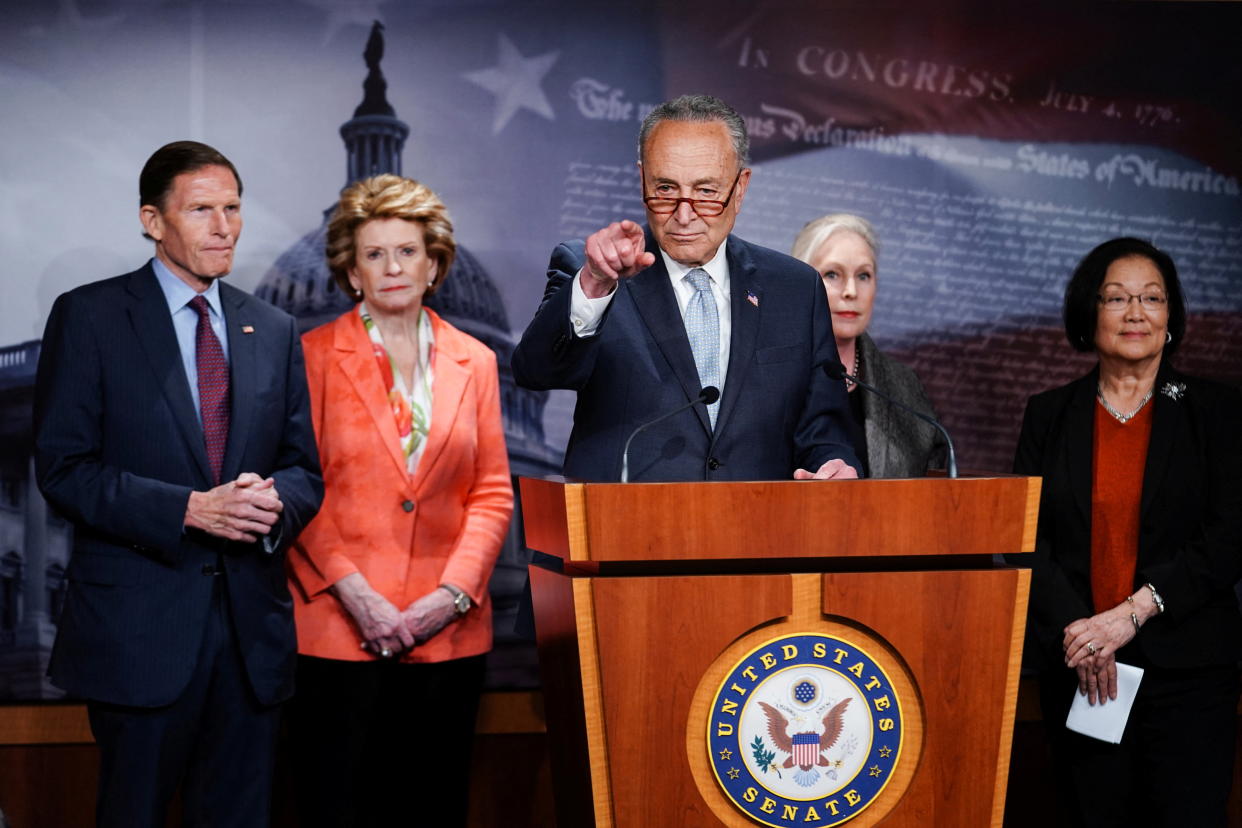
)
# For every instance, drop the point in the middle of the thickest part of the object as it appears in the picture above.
(1174, 390)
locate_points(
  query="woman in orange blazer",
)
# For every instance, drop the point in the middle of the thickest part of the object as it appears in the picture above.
(390, 579)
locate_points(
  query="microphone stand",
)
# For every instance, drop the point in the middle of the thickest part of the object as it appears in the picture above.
(707, 396)
(837, 371)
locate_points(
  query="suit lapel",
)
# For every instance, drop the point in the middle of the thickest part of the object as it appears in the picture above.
(1164, 428)
(450, 376)
(243, 383)
(1081, 441)
(153, 327)
(657, 305)
(357, 363)
(743, 283)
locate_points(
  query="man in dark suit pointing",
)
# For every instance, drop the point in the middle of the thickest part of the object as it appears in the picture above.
(637, 322)
(173, 428)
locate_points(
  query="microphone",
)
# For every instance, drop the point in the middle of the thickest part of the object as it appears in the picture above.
(835, 370)
(707, 396)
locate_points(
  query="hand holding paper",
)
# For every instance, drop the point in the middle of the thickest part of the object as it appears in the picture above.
(1106, 722)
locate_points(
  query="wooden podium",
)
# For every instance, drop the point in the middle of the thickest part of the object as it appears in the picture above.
(662, 607)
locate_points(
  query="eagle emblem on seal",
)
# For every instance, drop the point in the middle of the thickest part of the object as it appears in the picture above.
(806, 748)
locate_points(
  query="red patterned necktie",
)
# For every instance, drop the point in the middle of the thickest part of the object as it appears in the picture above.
(213, 387)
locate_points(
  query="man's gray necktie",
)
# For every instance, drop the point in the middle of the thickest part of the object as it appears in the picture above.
(703, 329)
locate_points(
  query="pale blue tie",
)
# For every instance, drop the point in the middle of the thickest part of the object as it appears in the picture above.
(703, 329)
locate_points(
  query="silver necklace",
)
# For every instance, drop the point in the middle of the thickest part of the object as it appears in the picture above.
(1122, 418)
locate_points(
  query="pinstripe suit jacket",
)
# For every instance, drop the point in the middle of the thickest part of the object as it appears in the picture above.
(119, 448)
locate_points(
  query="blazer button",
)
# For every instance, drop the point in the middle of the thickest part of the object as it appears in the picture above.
(713, 463)
(407, 505)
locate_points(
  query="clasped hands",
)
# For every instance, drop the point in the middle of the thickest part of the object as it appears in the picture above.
(385, 630)
(1091, 644)
(244, 509)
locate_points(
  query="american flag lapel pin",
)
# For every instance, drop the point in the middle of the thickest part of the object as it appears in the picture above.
(247, 328)
(752, 298)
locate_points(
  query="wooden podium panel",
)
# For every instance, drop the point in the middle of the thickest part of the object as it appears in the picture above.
(656, 637)
(636, 640)
(651, 522)
(949, 627)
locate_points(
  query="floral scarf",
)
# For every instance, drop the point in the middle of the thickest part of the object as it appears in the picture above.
(410, 408)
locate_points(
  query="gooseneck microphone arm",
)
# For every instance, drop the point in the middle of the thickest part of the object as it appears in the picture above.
(707, 396)
(834, 369)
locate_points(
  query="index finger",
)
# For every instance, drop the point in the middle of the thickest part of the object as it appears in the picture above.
(634, 231)
(263, 500)
(403, 632)
(1072, 632)
(638, 241)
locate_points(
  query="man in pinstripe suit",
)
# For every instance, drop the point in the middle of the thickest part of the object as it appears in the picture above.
(172, 427)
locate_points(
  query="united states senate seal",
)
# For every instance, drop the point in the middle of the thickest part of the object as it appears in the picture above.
(804, 730)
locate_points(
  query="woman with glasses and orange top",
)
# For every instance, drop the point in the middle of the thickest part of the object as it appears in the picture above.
(1138, 550)
(390, 579)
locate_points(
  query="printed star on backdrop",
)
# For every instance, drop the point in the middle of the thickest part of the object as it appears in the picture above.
(886, 752)
(726, 755)
(515, 81)
(875, 770)
(734, 773)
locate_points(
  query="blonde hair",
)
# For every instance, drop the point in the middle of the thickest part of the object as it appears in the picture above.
(811, 237)
(383, 197)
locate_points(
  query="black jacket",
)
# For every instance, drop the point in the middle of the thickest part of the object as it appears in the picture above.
(1190, 532)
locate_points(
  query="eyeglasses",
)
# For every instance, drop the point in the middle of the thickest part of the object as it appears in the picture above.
(1116, 301)
(704, 207)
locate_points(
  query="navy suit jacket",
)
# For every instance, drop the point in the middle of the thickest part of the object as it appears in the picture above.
(779, 410)
(1190, 529)
(118, 449)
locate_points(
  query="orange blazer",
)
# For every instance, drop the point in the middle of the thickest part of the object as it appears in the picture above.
(405, 534)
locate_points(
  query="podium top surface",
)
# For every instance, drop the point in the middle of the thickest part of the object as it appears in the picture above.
(814, 519)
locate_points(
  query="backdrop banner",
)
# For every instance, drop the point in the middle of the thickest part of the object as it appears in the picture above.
(990, 148)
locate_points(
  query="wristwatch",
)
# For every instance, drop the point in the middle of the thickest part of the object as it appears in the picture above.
(461, 601)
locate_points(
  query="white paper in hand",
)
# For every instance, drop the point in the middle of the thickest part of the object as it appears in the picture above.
(1107, 721)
